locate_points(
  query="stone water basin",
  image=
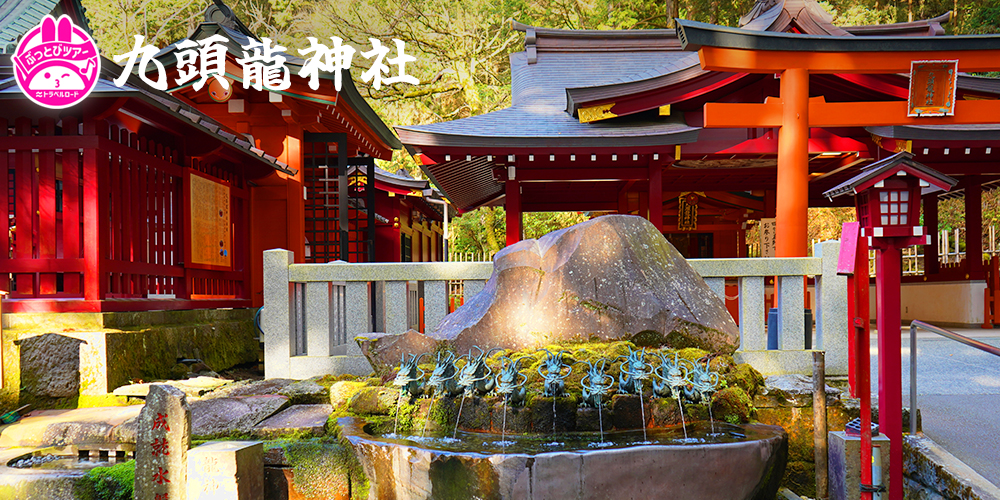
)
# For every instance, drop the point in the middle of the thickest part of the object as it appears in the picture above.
(741, 462)
(29, 472)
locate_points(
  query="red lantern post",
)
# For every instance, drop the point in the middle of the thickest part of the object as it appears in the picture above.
(887, 196)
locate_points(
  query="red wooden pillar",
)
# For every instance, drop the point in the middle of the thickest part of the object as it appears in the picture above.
(71, 207)
(793, 165)
(932, 265)
(25, 184)
(513, 208)
(296, 222)
(46, 170)
(974, 225)
(656, 195)
(890, 387)
(4, 212)
(95, 190)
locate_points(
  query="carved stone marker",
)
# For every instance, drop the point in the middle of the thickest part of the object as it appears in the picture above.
(226, 470)
(162, 443)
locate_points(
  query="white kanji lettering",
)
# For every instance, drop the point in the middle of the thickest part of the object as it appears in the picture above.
(329, 59)
(211, 59)
(378, 68)
(144, 53)
(264, 66)
(400, 61)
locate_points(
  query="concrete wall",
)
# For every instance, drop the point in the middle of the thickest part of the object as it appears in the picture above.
(952, 303)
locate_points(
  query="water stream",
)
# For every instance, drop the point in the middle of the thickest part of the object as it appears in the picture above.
(503, 428)
(600, 417)
(710, 417)
(428, 419)
(642, 411)
(553, 415)
(459, 419)
(399, 402)
(681, 406)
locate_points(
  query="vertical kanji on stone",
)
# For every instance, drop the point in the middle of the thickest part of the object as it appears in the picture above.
(162, 442)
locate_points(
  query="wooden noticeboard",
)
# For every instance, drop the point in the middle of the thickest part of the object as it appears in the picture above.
(209, 234)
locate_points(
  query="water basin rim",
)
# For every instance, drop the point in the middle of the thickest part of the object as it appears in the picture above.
(353, 429)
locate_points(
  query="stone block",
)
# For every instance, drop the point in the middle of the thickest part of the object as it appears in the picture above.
(305, 392)
(226, 470)
(251, 388)
(845, 464)
(310, 419)
(163, 439)
(233, 416)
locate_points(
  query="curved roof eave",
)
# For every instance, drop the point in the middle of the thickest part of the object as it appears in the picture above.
(348, 90)
(695, 35)
(414, 139)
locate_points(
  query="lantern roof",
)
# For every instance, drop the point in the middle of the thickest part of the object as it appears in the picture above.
(898, 164)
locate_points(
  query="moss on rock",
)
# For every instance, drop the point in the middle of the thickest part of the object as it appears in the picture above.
(733, 405)
(745, 377)
(107, 483)
(324, 469)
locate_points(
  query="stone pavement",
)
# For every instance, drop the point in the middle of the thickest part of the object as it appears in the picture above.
(958, 393)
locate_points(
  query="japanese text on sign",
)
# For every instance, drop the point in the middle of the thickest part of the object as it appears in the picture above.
(264, 64)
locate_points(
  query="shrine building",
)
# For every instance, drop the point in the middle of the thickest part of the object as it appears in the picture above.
(615, 122)
(122, 225)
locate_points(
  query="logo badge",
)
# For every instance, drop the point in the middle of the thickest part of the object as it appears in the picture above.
(56, 63)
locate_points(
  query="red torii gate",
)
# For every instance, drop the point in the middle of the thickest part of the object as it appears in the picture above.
(794, 57)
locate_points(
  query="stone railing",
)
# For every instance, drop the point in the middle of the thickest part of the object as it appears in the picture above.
(312, 312)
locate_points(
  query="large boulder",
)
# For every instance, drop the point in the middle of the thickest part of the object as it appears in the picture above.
(610, 278)
(613, 277)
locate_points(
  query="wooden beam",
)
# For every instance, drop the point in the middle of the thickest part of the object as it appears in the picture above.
(846, 114)
(776, 61)
(529, 174)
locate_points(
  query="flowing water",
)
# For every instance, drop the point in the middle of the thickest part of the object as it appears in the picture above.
(681, 406)
(600, 418)
(459, 419)
(431, 407)
(553, 414)
(399, 402)
(642, 411)
(503, 428)
(710, 417)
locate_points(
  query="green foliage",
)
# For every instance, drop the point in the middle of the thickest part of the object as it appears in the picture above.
(107, 483)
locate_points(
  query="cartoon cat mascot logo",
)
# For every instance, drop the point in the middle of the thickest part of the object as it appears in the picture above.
(56, 63)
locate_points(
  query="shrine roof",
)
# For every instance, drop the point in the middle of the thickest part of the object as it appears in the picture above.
(888, 167)
(135, 87)
(694, 35)
(17, 17)
(537, 116)
(403, 184)
(220, 20)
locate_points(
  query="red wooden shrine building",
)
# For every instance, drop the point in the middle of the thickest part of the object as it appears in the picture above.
(138, 199)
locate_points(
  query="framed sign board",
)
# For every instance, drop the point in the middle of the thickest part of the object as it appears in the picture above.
(932, 88)
(208, 222)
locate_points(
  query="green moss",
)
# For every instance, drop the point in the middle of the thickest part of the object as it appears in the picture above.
(324, 469)
(107, 483)
(747, 378)
(732, 403)
(649, 338)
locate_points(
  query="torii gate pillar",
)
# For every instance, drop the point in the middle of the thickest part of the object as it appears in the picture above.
(792, 206)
